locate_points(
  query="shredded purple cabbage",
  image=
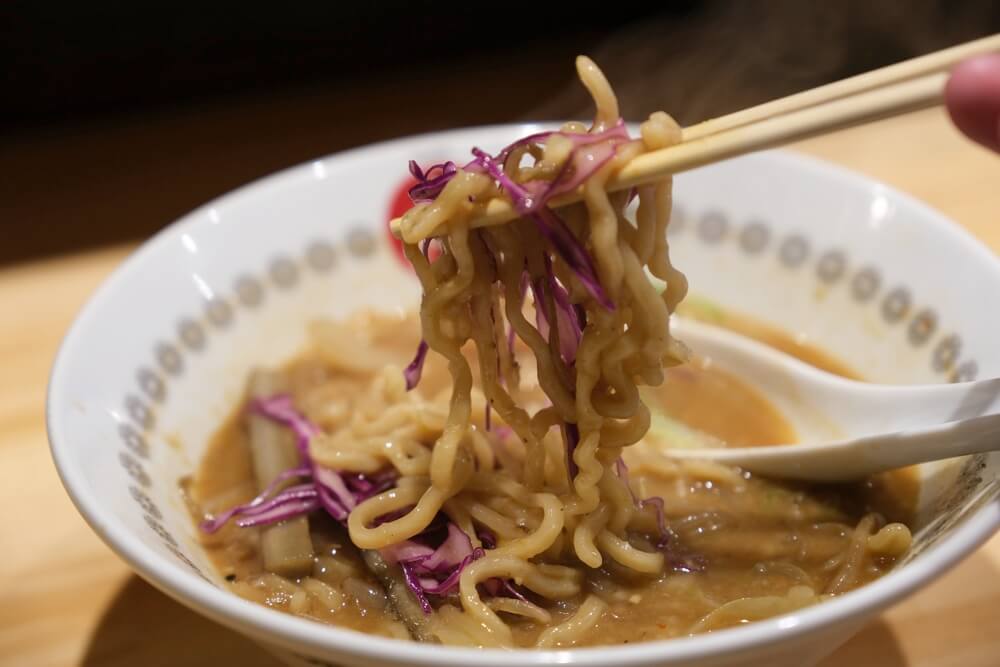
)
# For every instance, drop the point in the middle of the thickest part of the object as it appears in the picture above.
(287, 508)
(413, 583)
(415, 368)
(320, 487)
(507, 586)
(392, 516)
(427, 569)
(433, 561)
(654, 501)
(433, 570)
(486, 537)
(281, 408)
(677, 560)
(581, 165)
(551, 226)
(537, 138)
(365, 486)
(590, 152)
(445, 586)
(571, 320)
(430, 183)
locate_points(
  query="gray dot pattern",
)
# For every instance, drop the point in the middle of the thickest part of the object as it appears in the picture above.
(169, 359)
(865, 284)
(284, 273)
(361, 242)
(946, 353)
(134, 441)
(922, 327)
(896, 305)
(249, 291)
(712, 227)
(140, 413)
(831, 266)
(158, 528)
(145, 502)
(151, 385)
(321, 256)
(794, 251)
(755, 237)
(219, 312)
(134, 469)
(192, 335)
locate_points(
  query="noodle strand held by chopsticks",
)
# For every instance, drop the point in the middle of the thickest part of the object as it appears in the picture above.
(599, 327)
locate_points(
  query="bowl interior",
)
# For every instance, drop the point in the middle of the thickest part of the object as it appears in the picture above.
(159, 356)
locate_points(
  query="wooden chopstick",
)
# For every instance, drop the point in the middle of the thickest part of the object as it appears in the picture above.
(897, 89)
(939, 61)
(900, 98)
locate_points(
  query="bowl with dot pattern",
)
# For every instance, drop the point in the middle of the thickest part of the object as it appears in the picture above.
(156, 361)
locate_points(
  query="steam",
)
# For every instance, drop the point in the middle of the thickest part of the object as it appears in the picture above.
(730, 55)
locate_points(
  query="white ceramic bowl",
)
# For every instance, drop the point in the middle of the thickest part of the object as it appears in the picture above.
(158, 357)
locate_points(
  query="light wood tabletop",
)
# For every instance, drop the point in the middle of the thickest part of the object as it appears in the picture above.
(66, 599)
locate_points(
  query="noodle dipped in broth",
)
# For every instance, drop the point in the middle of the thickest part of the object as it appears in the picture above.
(494, 491)
(601, 326)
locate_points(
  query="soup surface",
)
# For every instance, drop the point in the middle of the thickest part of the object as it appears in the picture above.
(742, 548)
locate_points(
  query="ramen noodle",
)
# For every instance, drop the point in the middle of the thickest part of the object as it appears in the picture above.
(511, 486)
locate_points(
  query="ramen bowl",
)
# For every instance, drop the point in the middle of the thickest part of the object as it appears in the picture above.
(156, 361)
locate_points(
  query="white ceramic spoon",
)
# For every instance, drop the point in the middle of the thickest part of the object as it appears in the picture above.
(847, 429)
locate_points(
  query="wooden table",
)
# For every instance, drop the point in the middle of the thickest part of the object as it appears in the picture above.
(66, 599)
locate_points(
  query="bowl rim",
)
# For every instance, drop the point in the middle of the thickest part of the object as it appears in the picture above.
(298, 634)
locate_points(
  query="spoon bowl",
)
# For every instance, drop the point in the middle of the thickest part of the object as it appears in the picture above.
(849, 429)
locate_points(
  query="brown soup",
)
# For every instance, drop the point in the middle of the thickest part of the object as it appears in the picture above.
(745, 548)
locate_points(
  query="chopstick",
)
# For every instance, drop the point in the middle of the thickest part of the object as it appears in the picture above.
(897, 89)
(908, 69)
(912, 95)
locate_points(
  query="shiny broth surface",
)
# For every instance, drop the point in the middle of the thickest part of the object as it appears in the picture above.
(742, 547)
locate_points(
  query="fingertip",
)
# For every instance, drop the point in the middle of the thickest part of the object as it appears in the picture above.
(972, 97)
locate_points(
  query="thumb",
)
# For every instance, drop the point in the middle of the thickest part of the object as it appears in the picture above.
(972, 96)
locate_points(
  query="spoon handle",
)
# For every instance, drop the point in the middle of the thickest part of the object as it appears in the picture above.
(877, 409)
(859, 458)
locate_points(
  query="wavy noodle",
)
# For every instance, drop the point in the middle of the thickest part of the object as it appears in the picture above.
(520, 608)
(539, 500)
(554, 582)
(850, 571)
(554, 506)
(892, 540)
(529, 504)
(748, 609)
(572, 630)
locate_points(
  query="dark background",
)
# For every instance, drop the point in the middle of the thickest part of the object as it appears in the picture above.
(118, 117)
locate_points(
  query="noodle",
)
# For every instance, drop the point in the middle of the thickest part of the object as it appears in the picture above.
(478, 278)
(569, 632)
(756, 608)
(565, 301)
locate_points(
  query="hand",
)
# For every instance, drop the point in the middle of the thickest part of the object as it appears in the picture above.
(972, 96)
